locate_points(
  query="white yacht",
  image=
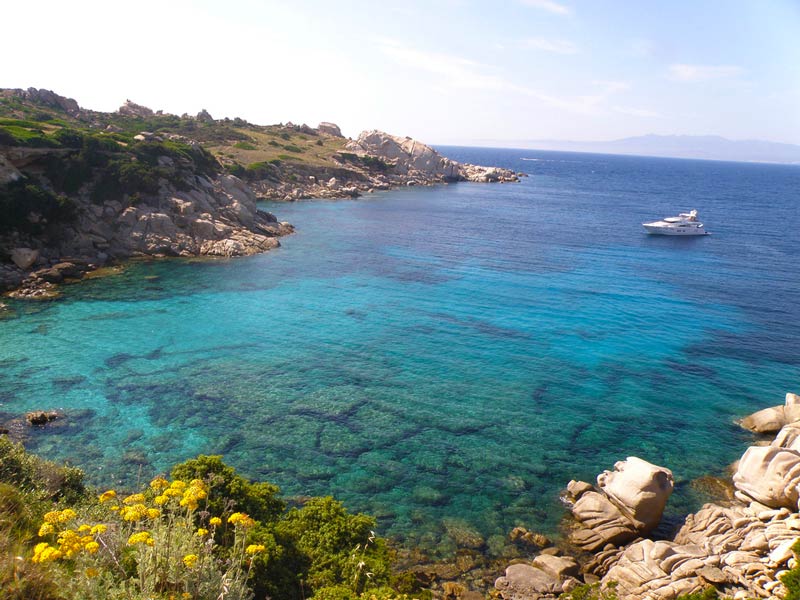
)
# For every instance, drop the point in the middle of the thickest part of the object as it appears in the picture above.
(683, 224)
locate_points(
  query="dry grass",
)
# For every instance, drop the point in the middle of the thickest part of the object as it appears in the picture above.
(275, 143)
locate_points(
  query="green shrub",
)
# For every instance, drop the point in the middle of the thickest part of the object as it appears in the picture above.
(236, 169)
(244, 146)
(230, 490)
(293, 148)
(35, 138)
(35, 475)
(340, 547)
(591, 592)
(20, 198)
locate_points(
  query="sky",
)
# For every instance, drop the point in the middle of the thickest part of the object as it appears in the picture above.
(442, 71)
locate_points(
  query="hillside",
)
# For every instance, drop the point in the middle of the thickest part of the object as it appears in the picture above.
(80, 189)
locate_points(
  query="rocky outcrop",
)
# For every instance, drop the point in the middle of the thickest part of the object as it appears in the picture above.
(331, 129)
(24, 257)
(413, 159)
(771, 420)
(8, 172)
(545, 577)
(213, 217)
(131, 109)
(46, 98)
(627, 503)
(742, 547)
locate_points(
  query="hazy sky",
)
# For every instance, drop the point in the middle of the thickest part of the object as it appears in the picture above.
(443, 71)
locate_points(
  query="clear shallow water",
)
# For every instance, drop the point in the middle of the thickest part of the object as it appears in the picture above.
(431, 354)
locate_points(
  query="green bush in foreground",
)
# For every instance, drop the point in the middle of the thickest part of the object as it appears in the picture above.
(204, 532)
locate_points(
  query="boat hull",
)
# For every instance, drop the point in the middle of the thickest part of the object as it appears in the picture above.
(677, 231)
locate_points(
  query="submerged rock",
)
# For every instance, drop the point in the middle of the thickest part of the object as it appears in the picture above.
(40, 417)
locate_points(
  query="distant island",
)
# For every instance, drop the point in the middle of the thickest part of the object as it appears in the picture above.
(704, 147)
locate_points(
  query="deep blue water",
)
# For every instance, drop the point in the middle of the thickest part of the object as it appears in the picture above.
(437, 354)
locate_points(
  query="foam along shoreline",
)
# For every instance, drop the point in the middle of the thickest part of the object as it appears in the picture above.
(741, 547)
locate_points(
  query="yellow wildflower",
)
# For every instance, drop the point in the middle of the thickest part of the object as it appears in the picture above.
(44, 552)
(189, 501)
(161, 500)
(190, 560)
(83, 528)
(255, 548)
(46, 529)
(134, 499)
(114, 508)
(172, 492)
(201, 532)
(92, 547)
(143, 537)
(153, 513)
(178, 485)
(159, 483)
(242, 519)
(133, 513)
(107, 495)
(66, 515)
(215, 521)
(92, 572)
(69, 542)
(98, 529)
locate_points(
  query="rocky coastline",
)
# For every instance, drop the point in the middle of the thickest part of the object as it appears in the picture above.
(742, 546)
(376, 161)
(193, 202)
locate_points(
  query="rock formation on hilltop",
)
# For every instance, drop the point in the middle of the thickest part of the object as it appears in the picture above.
(331, 129)
(407, 156)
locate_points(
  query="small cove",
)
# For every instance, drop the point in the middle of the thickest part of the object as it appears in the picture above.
(440, 355)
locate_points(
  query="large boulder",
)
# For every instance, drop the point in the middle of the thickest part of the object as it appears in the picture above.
(769, 475)
(407, 154)
(8, 172)
(330, 129)
(641, 488)
(131, 109)
(772, 419)
(528, 582)
(24, 257)
(627, 503)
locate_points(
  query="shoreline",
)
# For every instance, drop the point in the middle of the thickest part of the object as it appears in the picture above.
(718, 544)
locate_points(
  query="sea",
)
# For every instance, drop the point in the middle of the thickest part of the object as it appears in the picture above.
(444, 358)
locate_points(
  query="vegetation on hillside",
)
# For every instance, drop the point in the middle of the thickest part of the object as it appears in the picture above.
(66, 157)
(204, 533)
(113, 156)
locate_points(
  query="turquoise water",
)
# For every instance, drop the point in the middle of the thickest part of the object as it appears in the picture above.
(430, 354)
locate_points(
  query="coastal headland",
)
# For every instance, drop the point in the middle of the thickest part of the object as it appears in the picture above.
(81, 189)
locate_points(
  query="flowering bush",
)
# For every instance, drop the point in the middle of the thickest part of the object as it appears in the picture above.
(147, 546)
(205, 533)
